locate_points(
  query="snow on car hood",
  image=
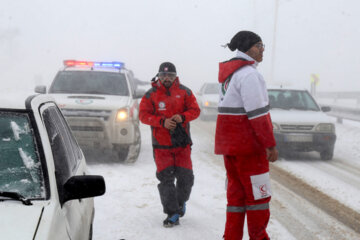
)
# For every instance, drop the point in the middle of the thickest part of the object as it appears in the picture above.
(18, 221)
(298, 116)
(86, 101)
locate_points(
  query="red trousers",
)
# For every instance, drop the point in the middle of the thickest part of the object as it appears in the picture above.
(248, 193)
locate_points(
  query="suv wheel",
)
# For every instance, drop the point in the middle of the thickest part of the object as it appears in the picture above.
(122, 152)
(327, 154)
(134, 150)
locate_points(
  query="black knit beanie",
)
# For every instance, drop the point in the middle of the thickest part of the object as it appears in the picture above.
(167, 67)
(243, 41)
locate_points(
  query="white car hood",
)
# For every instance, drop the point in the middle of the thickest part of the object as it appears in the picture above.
(18, 221)
(86, 101)
(211, 98)
(294, 116)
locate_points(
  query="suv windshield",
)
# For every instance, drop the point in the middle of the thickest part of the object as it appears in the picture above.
(292, 99)
(20, 167)
(90, 82)
(211, 88)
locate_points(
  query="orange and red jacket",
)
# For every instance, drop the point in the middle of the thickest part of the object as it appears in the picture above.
(160, 103)
(243, 125)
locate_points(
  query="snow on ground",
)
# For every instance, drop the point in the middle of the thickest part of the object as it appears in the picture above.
(131, 207)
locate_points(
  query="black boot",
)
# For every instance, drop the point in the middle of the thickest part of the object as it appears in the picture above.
(171, 220)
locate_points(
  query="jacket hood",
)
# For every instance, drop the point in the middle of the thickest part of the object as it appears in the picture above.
(229, 67)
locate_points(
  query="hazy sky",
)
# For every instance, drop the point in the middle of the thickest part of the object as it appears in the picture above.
(312, 36)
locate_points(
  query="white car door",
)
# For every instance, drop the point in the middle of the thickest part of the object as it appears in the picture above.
(69, 161)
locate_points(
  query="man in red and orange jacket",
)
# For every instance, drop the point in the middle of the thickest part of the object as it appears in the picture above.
(168, 107)
(244, 135)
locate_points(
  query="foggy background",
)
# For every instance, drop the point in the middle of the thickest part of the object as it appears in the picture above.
(302, 37)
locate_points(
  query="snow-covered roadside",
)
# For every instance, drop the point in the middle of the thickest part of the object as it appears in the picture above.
(131, 207)
(327, 176)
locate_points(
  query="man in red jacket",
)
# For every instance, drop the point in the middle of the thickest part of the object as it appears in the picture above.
(244, 135)
(168, 107)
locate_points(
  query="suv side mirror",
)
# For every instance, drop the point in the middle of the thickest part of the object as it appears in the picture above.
(139, 93)
(326, 109)
(40, 89)
(83, 186)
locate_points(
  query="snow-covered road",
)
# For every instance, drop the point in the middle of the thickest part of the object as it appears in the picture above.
(131, 207)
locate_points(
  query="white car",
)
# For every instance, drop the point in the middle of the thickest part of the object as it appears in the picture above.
(100, 103)
(300, 124)
(208, 99)
(45, 190)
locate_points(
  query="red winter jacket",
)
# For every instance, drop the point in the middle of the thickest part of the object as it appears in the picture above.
(160, 103)
(243, 125)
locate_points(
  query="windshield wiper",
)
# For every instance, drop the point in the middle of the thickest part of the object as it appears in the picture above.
(15, 196)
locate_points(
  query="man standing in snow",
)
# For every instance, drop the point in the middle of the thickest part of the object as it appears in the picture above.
(168, 107)
(244, 135)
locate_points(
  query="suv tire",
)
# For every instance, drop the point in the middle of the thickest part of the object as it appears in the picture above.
(327, 154)
(134, 150)
(122, 153)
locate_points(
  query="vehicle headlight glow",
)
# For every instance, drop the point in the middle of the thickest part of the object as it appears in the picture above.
(122, 115)
(325, 127)
(210, 104)
(276, 127)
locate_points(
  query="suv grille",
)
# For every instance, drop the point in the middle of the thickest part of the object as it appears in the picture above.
(87, 128)
(287, 127)
(104, 114)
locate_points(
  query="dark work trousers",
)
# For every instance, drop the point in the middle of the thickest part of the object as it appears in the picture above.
(174, 164)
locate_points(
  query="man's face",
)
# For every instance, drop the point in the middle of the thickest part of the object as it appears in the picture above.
(167, 78)
(256, 51)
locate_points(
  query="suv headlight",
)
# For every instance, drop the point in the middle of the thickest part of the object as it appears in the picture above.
(122, 115)
(325, 127)
(276, 127)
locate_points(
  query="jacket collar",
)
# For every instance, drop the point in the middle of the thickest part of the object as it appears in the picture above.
(240, 54)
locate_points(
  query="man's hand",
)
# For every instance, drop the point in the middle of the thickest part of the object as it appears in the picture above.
(177, 118)
(169, 124)
(272, 154)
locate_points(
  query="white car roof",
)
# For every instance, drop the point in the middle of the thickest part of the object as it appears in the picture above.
(19, 101)
(272, 87)
(95, 69)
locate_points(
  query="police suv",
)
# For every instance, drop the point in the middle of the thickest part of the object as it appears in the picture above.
(100, 103)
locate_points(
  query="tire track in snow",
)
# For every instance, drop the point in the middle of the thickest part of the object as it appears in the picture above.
(333, 207)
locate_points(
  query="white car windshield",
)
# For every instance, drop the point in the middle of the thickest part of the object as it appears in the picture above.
(90, 82)
(211, 88)
(292, 99)
(20, 166)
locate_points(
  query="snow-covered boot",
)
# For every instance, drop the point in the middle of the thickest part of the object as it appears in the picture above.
(182, 210)
(171, 220)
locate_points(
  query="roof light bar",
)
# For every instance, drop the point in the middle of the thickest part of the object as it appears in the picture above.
(109, 64)
(72, 63)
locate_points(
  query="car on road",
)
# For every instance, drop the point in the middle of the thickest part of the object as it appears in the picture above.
(46, 191)
(100, 102)
(208, 99)
(299, 123)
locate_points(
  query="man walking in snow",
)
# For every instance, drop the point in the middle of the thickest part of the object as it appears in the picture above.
(168, 107)
(244, 135)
